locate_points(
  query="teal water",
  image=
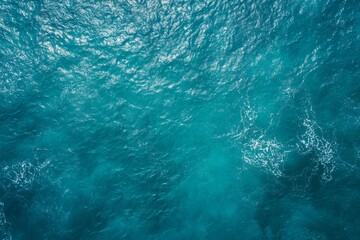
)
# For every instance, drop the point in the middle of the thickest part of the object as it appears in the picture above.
(164, 119)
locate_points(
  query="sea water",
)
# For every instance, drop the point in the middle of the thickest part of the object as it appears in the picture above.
(191, 119)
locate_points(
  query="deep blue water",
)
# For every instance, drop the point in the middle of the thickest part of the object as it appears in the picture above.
(165, 119)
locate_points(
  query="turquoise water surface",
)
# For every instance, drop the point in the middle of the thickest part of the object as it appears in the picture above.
(189, 119)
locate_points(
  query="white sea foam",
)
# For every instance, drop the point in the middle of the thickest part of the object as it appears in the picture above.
(21, 175)
(313, 140)
(4, 224)
(265, 153)
(260, 150)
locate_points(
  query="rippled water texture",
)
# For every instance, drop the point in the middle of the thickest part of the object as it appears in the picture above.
(164, 119)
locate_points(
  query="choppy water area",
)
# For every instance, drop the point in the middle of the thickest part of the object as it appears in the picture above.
(180, 119)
